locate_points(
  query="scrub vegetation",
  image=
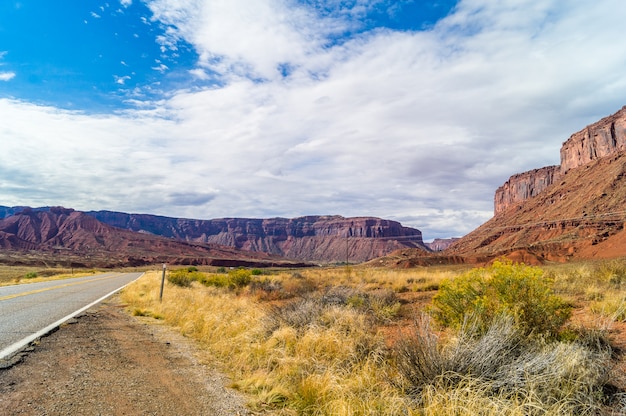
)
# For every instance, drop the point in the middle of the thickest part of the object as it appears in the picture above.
(498, 340)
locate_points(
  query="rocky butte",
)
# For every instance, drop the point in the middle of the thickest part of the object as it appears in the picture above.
(601, 139)
(556, 213)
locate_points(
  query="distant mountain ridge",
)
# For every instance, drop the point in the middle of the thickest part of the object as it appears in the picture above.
(65, 236)
(318, 238)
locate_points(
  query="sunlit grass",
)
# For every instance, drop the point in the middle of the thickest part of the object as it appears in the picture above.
(311, 342)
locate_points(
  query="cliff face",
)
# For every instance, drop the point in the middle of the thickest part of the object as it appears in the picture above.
(310, 238)
(596, 141)
(574, 210)
(523, 186)
(601, 139)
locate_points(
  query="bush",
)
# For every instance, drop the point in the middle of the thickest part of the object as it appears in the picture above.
(504, 365)
(31, 275)
(239, 278)
(234, 279)
(502, 288)
(184, 277)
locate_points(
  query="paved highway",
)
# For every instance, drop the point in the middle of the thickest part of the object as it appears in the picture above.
(31, 310)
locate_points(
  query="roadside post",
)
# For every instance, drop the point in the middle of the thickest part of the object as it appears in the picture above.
(162, 283)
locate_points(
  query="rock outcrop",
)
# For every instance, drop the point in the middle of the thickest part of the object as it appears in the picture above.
(326, 239)
(523, 186)
(441, 244)
(598, 140)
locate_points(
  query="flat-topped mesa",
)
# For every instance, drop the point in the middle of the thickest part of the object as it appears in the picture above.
(525, 185)
(598, 140)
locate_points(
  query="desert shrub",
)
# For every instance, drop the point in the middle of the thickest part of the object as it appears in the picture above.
(298, 314)
(215, 280)
(503, 364)
(380, 306)
(235, 279)
(613, 271)
(31, 275)
(267, 289)
(239, 278)
(221, 269)
(520, 291)
(184, 277)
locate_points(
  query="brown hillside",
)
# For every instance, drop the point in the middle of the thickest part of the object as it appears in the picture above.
(581, 216)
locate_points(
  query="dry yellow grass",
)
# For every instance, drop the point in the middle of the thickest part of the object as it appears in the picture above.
(326, 359)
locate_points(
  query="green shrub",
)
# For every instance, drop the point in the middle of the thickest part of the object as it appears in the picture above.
(503, 288)
(215, 280)
(184, 277)
(31, 275)
(234, 279)
(239, 278)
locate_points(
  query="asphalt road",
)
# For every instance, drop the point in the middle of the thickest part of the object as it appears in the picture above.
(31, 310)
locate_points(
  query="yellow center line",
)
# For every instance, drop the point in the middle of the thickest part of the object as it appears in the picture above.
(32, 292)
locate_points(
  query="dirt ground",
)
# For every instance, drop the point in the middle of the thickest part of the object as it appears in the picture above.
(106, 362)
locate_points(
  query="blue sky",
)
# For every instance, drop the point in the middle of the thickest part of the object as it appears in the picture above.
(99, 56)
(414, 111)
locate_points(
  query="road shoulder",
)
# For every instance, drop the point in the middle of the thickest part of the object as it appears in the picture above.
(107, 362)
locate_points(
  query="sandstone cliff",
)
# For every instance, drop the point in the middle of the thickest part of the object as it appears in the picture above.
(523, 186)
(326, 239)
(574, 210)
(598, 140)
(580, 216)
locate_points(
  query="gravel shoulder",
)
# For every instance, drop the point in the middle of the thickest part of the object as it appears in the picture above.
(105, 362)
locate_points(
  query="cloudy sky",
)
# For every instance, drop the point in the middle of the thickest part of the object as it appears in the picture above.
(408, 110)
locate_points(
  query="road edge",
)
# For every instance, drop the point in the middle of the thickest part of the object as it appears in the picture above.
(9, 352)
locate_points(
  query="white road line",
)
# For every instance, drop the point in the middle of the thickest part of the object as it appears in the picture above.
(12, 349)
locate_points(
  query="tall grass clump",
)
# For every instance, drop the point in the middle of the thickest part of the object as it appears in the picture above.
(517, 290)
(501, 371)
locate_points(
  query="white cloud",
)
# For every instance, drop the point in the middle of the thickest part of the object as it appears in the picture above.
(121, 79)
(126, 3)
(7, 76)
(415, 126)
(160, 68)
